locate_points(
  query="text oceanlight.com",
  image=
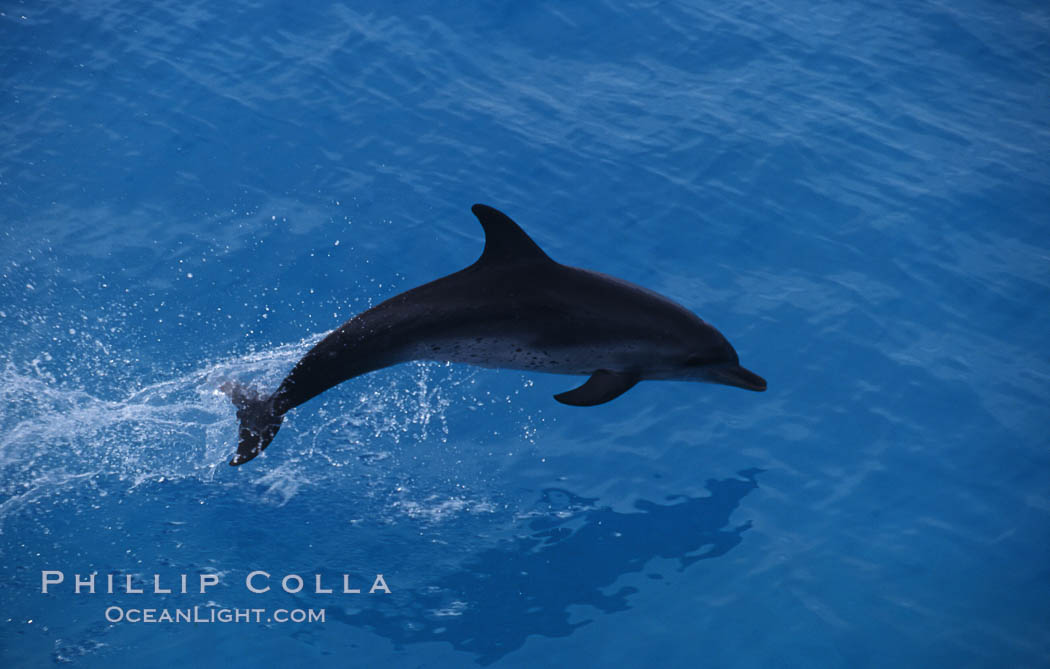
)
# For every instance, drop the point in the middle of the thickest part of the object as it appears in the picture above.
(209, 614)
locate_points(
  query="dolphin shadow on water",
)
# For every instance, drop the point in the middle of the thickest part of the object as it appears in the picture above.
(572, 552)
(514, 308)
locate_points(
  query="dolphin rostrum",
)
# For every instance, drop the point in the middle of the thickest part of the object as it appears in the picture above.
(513, 308)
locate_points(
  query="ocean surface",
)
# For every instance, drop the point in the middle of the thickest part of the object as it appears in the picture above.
(856, 194)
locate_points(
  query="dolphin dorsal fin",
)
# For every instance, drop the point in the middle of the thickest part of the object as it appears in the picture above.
(505, 242)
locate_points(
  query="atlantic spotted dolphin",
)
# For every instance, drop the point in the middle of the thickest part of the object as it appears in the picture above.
(514, 308)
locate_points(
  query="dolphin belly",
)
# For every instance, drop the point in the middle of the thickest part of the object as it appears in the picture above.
(522, 353)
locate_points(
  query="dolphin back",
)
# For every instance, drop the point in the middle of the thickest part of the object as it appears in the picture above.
(259, 421)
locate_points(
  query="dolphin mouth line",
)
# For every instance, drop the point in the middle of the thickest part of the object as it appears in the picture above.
(737, 376)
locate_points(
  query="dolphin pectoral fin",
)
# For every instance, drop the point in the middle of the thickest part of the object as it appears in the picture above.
(603, 386)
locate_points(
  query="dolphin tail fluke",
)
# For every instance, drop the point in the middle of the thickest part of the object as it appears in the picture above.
(259, 421)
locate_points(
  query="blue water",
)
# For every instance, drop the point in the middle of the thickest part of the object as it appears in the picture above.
(855, 193)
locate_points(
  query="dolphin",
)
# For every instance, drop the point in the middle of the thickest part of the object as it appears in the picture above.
(514, 308)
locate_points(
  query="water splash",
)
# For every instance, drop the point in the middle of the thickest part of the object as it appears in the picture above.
(183, 427)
